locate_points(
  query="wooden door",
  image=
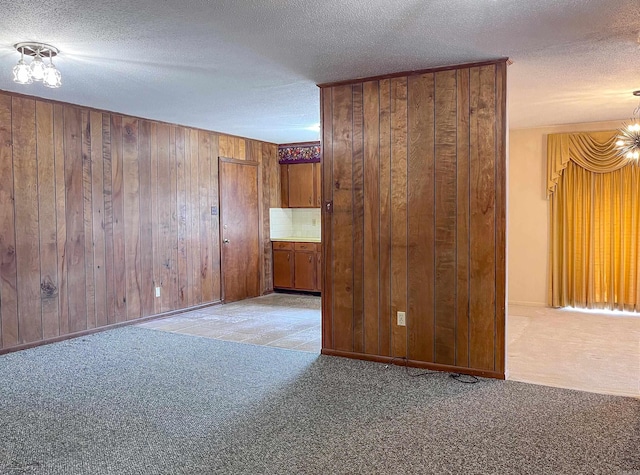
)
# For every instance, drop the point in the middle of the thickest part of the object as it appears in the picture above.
(301, 185)
(240, 229)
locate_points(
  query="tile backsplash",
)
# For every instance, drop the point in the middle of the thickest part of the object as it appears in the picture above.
(294, 223)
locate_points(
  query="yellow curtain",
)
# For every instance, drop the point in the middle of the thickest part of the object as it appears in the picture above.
(594, 223)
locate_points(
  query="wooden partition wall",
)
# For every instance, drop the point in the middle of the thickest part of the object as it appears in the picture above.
(414, 218)
(98, 209)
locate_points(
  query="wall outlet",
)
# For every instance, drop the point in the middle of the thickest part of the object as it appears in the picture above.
(157, 292)
(314, 222)
(402, 319)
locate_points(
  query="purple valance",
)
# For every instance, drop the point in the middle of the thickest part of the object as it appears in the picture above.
(299, 153)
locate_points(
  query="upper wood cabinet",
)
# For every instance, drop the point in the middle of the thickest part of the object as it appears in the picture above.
(301, 185)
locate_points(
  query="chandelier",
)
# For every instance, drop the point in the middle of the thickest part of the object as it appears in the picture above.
(629, 135)
(37, 70)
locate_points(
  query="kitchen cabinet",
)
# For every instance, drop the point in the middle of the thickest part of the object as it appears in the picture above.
(296, 266)
(283, 265)
(300, 185)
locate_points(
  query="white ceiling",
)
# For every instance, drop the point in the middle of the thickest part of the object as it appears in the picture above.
(249, 67)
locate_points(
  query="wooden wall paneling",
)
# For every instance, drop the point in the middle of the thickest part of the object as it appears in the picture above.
(87, 199)
(173, 219)
(270, 156)
(147, 291)
(326, 112)
(164, 219)
(155, 213)
(462, 220)
(385, 218)
(482, 218)
(47, 220)
(194, 200)
(183, 297)
(131, 192)
(254, 150)
(108, 219)
(96, 217)
(225, 146)
(75, 243)
(25, 174)
(118, 203)
(358, 218)
(214, 201)
(399, 213)
(420, 218)
(371, 108)
(342, 227)
(445, 216)
(61, 226)
(501, 223)
(240, 148)
(8, 276)
(284, 186)
(206, 260)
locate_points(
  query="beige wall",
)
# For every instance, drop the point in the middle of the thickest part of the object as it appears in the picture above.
(527, 210)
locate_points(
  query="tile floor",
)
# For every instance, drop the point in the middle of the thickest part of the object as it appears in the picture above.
(282, 320)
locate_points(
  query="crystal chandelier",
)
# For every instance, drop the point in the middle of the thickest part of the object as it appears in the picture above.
(24, 73)
(629, 135)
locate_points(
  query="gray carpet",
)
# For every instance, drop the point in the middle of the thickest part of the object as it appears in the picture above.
(137, 401)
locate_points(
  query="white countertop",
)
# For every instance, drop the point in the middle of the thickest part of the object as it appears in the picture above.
(297, 239)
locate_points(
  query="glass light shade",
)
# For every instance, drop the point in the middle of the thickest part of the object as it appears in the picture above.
(37, 68)
(22, 73)
(52, 77)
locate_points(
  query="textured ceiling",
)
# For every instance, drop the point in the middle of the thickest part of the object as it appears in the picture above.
(249, 67)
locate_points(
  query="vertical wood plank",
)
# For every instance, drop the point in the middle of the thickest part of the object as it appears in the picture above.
(108, 219)
(225, 147)
(75, 246)
(421, 170)
(118, 200)
(87, 198)
(342, 229)
(154, 142)
(61, 213)
(183, 293)
(445, 217)
(206, 260)
(385, 218)
(501, 224)
(146, 218)
(196, 280)
(270, 155)
(8, 277)
(173, 220)
(25, 175)
(97, 218)
(163, 243)
(326, 111)
(284, 185)
(482, 296)
(358, 218)
(399, 213)
(131, 192)
(462, 221)
(371, 216)
(214, 232)
(47, 218)
(240, 148)
(268, 189)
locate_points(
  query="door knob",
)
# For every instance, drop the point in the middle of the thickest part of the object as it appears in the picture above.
(226, 241)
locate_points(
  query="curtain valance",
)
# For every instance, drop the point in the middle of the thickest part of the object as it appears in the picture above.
(593, 151)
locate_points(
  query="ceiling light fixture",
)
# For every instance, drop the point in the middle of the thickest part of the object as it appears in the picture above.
(629, 135)
(37, 71)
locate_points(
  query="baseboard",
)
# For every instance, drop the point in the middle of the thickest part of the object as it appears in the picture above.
(527, 304)
(69, 336)
(413, 363)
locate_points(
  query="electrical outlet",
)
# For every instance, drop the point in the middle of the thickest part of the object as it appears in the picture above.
(157, 292)
(402, 319)
(314, 222)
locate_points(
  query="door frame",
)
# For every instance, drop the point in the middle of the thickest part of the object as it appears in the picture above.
(252, 163)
